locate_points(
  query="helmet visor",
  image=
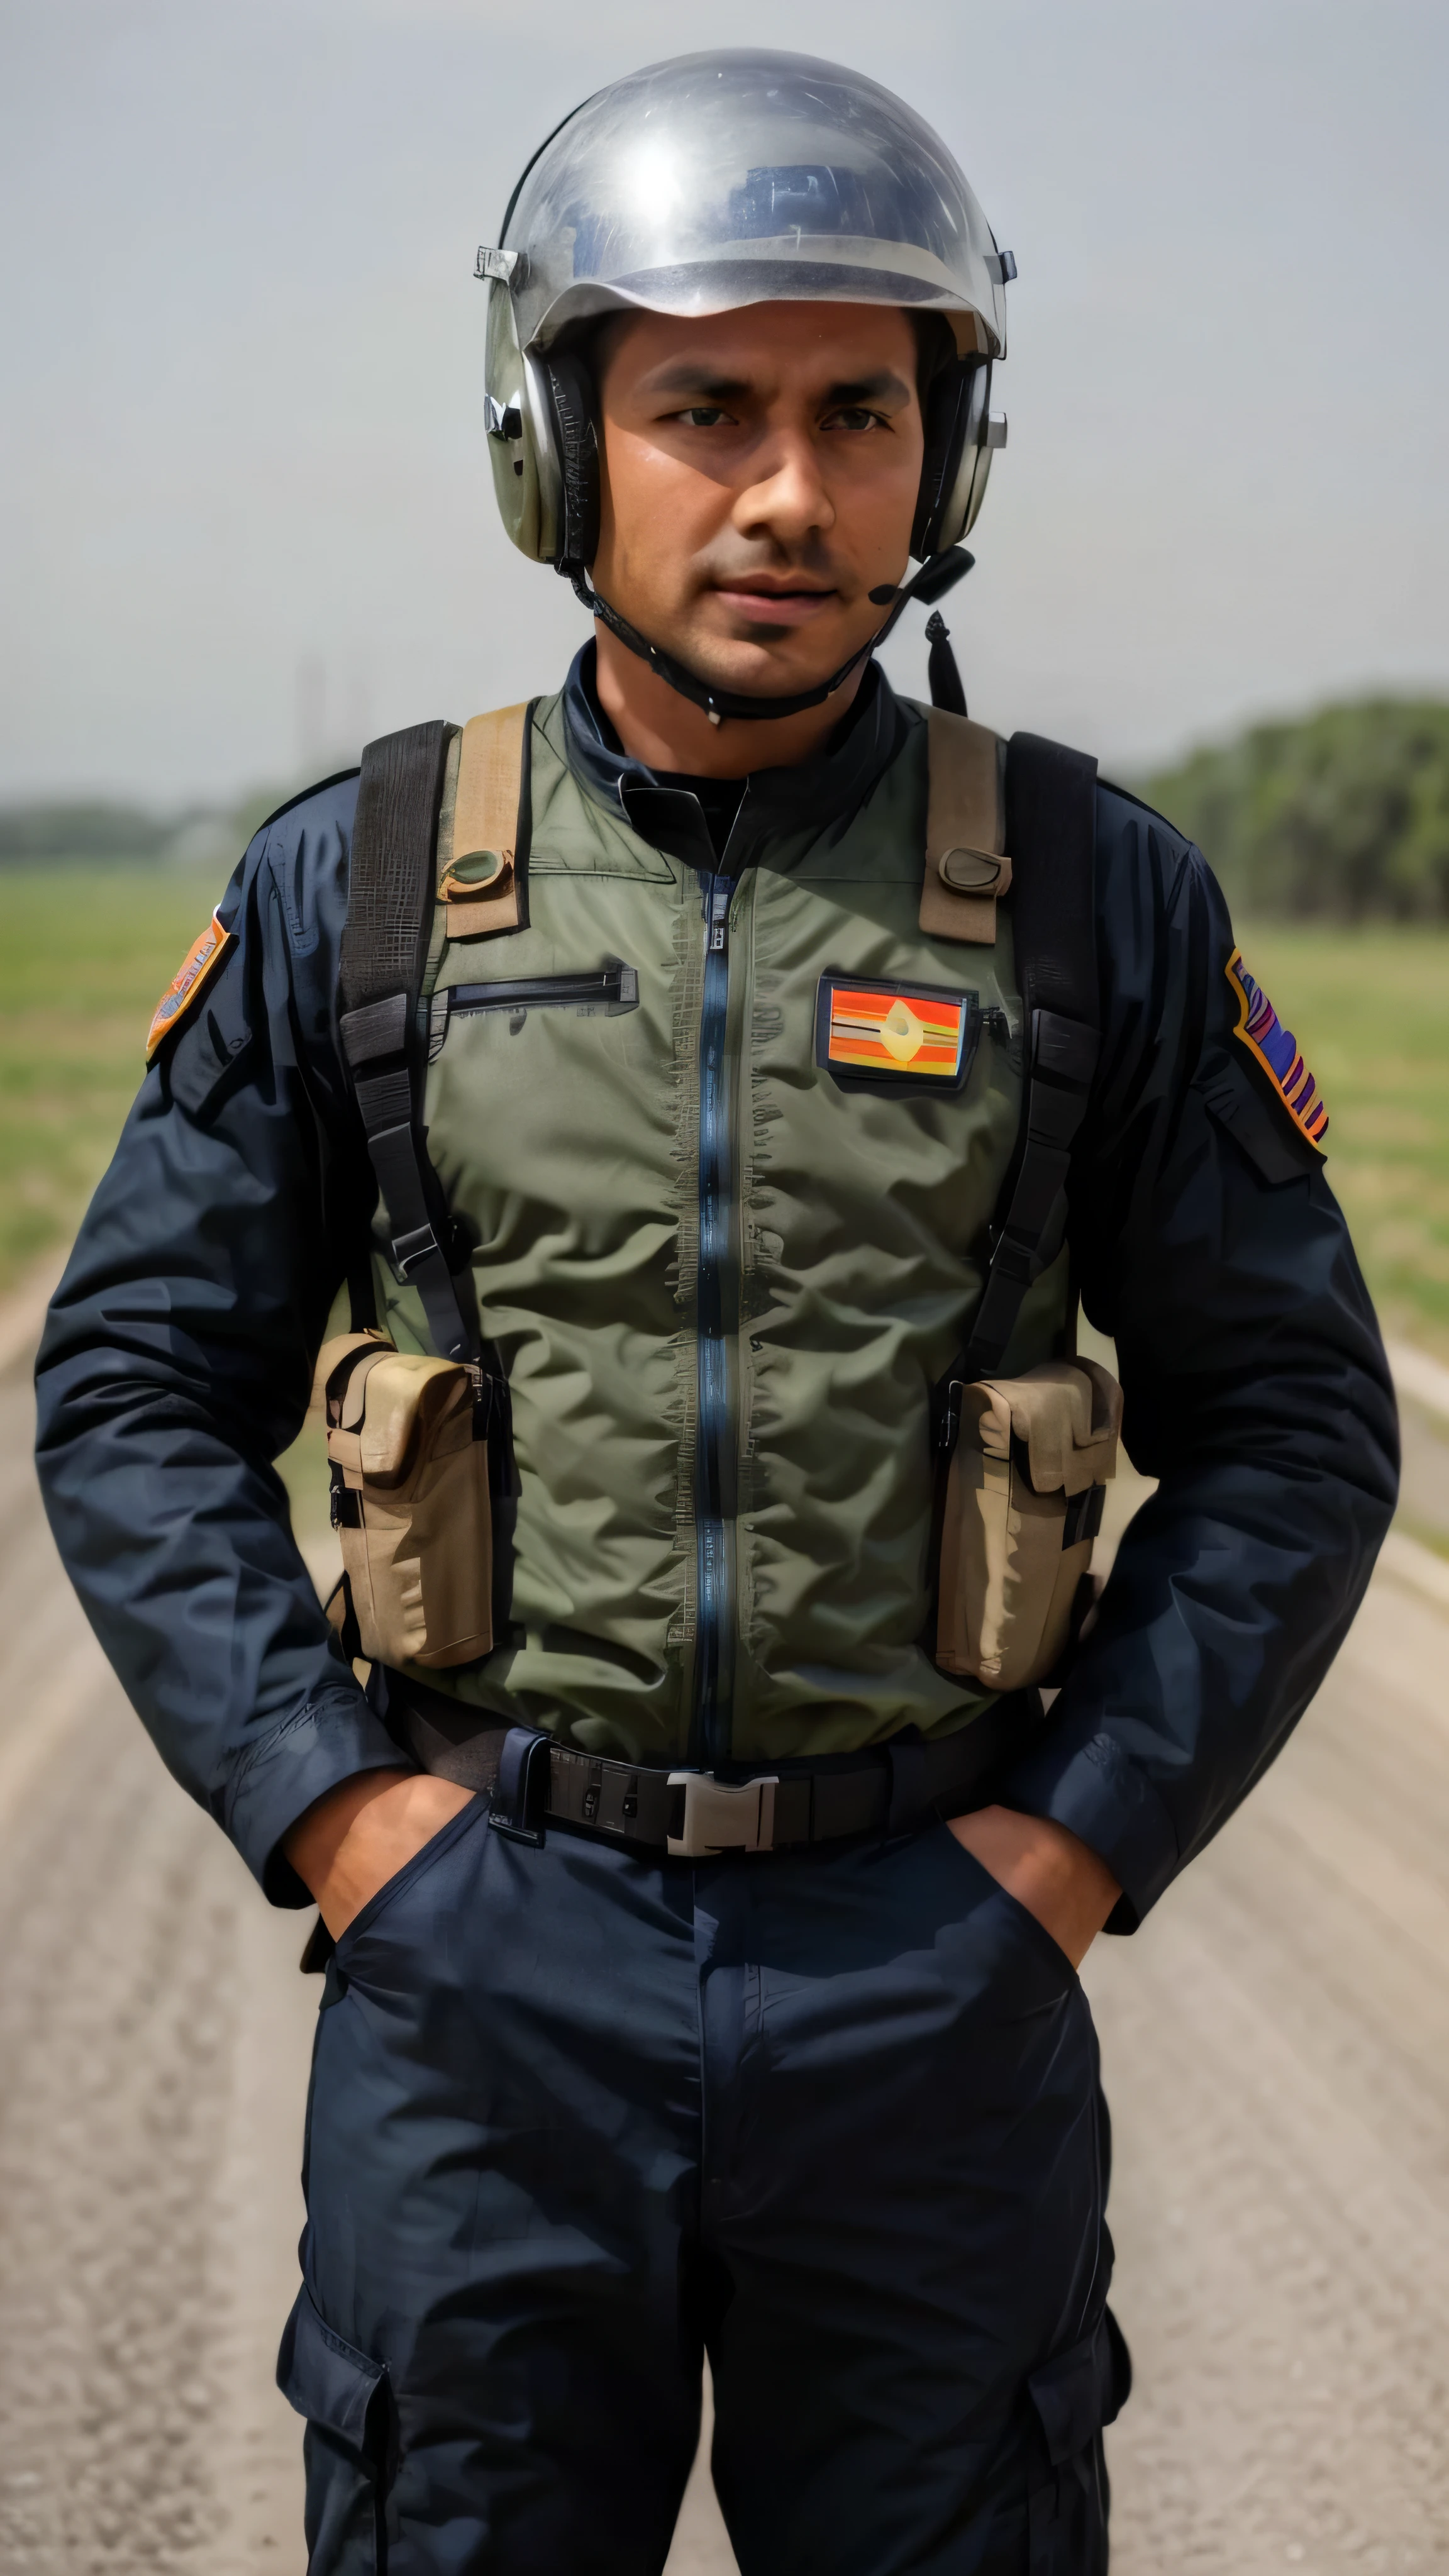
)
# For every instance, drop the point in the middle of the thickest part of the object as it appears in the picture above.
(725, 179)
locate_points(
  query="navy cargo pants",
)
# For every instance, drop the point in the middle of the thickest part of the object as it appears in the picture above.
(577, 2116)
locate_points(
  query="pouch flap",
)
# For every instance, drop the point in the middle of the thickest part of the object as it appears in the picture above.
(406, 1393)
(1066, 1414)
(338, 1381)
(1080, 2391)
(327, 2380)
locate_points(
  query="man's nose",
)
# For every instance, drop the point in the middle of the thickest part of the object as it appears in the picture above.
(786, 497)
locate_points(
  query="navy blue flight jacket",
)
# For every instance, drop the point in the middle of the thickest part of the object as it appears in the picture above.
(177, 1364)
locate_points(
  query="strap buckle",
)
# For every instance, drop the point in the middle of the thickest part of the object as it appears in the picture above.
(948, 1416)
(723, 1815)
(519, 1805)
(408, 1250)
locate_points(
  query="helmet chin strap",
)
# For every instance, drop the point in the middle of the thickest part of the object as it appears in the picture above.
(938, 574)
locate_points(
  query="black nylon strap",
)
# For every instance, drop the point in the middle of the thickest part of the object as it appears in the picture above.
(1051, 795)
(385, 1099)
(896, 1788)
(1051, 808)
(384, 951)
(390, 894)
(378, 1029)
(814, 1803)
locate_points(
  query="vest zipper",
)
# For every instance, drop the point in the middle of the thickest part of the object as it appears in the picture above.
(710, 1729)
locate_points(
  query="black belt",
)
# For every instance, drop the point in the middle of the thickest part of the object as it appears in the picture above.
(890, 1788)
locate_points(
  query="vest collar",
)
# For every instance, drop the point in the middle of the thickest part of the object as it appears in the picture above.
(824, 793)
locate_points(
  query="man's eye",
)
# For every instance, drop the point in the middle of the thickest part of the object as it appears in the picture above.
(854, 416)
(704, 416)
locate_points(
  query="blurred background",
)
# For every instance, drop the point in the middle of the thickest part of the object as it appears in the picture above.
(247, 522)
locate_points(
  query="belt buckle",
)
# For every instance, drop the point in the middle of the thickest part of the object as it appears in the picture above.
(723, 1815)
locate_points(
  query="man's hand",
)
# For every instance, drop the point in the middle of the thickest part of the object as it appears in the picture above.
(1047, 1869)
(363, 1832)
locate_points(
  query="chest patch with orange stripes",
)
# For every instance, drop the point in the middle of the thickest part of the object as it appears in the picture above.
(882, 1036)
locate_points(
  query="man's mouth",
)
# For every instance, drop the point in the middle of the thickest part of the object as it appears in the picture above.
(761, 601)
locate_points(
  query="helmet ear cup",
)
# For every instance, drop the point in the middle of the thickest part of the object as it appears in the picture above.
(970, 489)
(955, 419)
(520, 434)
(571, 393)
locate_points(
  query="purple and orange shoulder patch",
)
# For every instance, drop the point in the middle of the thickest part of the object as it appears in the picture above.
(196, 969)
(1276, 1049)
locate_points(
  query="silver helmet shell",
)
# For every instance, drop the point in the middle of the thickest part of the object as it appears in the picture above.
(719, 180)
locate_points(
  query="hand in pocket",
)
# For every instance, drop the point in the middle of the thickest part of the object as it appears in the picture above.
(1050, 1871)
(363, 1832)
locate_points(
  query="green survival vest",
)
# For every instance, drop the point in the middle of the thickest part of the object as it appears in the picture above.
(711, 1166)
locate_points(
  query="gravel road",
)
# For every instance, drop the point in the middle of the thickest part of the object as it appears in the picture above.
(1276, 2044)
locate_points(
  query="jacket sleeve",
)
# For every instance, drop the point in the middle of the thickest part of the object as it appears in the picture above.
(176, 1363)
(1211, 1249)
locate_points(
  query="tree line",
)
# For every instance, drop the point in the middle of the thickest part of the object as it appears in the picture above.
(56, 831)
(1341, 816)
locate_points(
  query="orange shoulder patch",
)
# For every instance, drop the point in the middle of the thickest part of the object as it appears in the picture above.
(195, 970)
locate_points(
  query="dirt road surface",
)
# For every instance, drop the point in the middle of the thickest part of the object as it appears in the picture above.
(1276, 2045)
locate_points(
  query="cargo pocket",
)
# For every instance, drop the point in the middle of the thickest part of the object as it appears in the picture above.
(1076, 2394)
(345, 2399)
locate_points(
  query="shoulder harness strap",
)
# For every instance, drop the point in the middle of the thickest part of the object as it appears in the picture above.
(482, 879)
(1050, 828)
(384, 950)
(967, 870)
(393, 886)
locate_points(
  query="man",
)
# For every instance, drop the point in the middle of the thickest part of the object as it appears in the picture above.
(763, 2058)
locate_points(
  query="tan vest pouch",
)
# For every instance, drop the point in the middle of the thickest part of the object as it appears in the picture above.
(1023, 1504)
(410, 1497)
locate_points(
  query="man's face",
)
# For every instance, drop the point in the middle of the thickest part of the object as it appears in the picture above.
(760, 474)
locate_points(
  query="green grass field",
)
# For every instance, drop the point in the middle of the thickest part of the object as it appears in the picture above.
(1370, 1009)
(84, 954)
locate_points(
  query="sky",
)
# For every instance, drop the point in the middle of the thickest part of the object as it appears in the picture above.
(246, 516)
